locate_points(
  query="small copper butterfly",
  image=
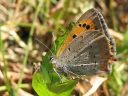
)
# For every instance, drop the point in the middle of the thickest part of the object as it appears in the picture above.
(88, 49)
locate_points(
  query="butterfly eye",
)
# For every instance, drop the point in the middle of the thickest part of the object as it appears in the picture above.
(51, 58)
(74, 36)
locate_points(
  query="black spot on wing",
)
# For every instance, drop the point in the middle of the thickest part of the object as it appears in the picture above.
(87, 27)
(74, 36)
(84, 25)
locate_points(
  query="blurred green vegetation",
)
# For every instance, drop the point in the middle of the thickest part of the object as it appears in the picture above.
(21, 20)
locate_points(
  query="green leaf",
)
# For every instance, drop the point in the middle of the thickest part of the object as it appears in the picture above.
(52, 89)
(40, 86)
(65, 86)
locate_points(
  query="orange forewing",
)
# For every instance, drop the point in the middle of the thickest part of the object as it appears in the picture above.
(77, 30)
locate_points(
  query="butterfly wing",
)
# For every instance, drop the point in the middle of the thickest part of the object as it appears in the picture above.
(91, 51)
(100, 23)
(86, 55)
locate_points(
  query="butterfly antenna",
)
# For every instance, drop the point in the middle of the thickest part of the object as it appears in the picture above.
(54, 40)
(43, 45)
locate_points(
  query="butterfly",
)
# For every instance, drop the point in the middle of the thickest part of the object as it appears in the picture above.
(88, 49)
